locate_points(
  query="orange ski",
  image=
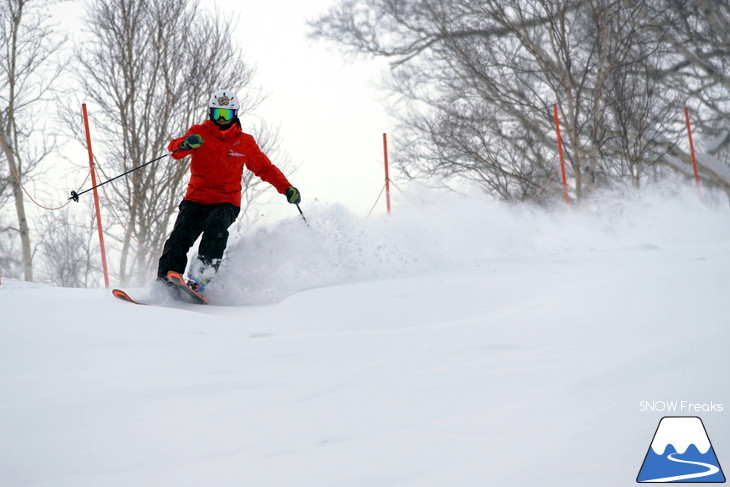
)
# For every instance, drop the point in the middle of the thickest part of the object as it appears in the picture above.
(119, 294)
(180, 284)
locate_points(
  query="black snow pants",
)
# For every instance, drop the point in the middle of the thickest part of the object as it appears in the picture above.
(192, 220)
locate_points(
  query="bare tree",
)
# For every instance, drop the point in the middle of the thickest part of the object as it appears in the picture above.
(69, 250)
(10, 263)
(479, 78)
(26, 75)
(149, 68)
(695, 38)
(629, 107)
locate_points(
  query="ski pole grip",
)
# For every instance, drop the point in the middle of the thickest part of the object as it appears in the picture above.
(74, 196)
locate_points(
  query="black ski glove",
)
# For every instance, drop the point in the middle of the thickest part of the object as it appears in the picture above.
(293, 196)
(192, 142)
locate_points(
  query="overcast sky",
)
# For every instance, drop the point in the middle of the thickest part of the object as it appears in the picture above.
(330, 112)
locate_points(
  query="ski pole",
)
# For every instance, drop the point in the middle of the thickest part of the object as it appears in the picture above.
(75, 195)
(301, 213)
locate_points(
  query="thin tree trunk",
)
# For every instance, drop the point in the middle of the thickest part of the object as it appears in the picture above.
(23, 229)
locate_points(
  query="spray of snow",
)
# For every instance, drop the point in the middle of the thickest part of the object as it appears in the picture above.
(432, 230)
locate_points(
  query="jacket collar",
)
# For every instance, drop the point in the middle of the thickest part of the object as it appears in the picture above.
(215, 130)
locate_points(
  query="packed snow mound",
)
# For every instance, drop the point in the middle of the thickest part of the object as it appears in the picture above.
(433, 230)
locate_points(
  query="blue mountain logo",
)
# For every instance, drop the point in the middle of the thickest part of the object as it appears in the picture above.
(681, 452)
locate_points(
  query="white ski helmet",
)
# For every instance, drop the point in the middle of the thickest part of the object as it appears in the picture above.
(223, 104)
(224, 99)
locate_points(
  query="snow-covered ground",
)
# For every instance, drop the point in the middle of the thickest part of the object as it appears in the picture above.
(457, 343)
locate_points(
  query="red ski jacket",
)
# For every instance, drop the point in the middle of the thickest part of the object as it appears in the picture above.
(216, 167)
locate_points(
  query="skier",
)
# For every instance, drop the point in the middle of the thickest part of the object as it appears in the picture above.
(220, 150)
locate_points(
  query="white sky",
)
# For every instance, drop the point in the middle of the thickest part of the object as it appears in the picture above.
(329, 111)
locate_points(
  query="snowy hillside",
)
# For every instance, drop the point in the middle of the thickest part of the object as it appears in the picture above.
(457, 343)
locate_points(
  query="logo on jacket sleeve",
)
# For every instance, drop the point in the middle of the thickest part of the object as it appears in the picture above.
(680, 452)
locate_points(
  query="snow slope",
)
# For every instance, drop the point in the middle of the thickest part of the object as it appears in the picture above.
(457, 343)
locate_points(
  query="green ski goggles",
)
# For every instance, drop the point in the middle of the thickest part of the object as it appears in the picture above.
(224, 113)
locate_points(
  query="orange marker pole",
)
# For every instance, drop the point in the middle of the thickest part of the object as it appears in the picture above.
(560, 150)
(692, 147)
(96, 197)
(387, 177)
